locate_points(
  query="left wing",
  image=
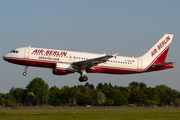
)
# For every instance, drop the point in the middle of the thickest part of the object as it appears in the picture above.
(92, 62)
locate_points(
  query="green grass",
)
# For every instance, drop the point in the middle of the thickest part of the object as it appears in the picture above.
(92, 114)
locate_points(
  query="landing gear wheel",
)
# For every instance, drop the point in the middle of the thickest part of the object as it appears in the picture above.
(24, 73)
(85, 78)
(80, 79)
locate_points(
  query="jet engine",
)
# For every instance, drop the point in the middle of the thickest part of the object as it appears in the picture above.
(62, 69)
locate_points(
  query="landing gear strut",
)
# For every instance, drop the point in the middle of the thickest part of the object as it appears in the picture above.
(83, 78)
(24, 73)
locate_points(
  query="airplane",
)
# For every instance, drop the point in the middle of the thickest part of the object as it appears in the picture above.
(64, 62)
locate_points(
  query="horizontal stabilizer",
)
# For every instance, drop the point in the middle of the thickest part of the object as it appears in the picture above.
(162, 64)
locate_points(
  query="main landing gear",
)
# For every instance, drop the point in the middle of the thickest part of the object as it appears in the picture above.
(83, 78)
(25, 73)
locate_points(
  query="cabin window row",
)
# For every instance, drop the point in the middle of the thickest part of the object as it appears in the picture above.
(119, 62)
(80, 58)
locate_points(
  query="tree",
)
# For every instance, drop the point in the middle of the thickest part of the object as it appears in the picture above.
(54, 96)
(101, 98)
(99, 87)
(45, 96)
(92, 96)
(138, 97)
(142, 86)
(152, 96)
(86, 85)
(30, 98)
(177, 102)
(117, 97)
(134, 85)
(82, 99)
(24, 95)
(91, 86)
(9, 100)
(166, 94)
(109, 102)
(40, 89)
(18, 94)
(125, 91)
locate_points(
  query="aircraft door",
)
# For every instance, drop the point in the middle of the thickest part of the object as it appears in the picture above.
(139, 64)
(26, 53)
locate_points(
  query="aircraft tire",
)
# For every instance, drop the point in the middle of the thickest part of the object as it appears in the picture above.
(24, 73)
(85, 78)
(80, 79)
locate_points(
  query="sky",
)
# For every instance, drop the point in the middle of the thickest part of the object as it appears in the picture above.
(129, 28)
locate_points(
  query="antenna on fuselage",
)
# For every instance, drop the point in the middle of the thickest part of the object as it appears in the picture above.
(29, 46)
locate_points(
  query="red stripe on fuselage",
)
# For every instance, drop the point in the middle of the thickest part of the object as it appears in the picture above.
(32, 62)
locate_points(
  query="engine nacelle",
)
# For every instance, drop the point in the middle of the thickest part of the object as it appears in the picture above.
(62, 69)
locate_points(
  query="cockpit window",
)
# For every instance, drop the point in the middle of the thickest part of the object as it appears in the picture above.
(14, 51)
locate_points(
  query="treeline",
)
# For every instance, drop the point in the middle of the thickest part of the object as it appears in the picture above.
(37, 92)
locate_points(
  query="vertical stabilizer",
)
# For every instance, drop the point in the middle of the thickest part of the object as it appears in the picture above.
(159, 51)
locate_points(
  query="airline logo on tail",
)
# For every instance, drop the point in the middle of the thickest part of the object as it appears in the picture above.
(164, 42)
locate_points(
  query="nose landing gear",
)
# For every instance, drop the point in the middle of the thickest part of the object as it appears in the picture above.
(25, 73)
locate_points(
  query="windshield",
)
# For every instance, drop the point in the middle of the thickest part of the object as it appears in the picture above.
(14, 51)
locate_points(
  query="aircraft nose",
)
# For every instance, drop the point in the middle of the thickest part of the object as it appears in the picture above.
(5, 57)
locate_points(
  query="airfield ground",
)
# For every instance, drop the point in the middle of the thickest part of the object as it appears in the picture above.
(91, 114)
